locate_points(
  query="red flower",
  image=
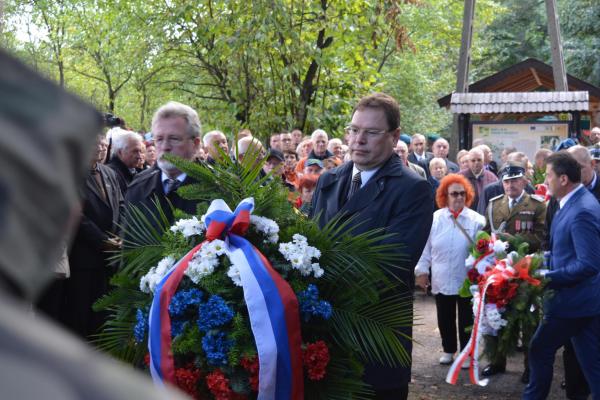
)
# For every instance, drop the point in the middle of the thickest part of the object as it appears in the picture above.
(218, 385)
(482, 245)
(251, 365)
(316, 358)
(473, 274)
(147, 359)
(187, 380)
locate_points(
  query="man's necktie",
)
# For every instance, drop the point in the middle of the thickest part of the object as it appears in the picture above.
(172, 185)
(355, 185)
(512, 203)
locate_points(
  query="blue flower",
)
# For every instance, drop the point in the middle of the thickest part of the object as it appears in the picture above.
(177, 327)
(141, 327)
(216, 346)
(214, 313)
(311, 306)
(184, 299)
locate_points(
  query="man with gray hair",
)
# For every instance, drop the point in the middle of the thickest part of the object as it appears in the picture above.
(479, 178)
(214, 140)
(126, 155)
(319, 150)
(440, 149)
(176, 130)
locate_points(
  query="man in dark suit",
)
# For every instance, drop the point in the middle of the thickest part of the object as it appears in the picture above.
(176, 131)
(419, 154)
(440, 149)
(377, 191)
(90, 250)
(572, 312)
(126, 155)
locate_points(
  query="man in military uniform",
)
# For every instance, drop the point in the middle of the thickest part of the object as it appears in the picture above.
(515, 214)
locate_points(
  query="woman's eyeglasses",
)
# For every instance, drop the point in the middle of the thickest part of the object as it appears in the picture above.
(456, 194)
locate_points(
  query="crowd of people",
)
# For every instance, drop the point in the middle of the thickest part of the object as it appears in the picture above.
(456, 198)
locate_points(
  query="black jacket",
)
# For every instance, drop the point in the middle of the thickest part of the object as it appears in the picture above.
(124, 175)
(146, 187)
(98, 219)
(422, 163)
(397, 199)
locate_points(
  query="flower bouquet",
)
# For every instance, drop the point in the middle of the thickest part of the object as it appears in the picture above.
(256, 302)
(506, 301)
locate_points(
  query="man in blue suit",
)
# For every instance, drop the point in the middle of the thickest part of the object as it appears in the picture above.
(572, 311)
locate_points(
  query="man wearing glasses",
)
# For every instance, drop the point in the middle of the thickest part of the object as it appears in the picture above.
(176, 130)
(375, 190)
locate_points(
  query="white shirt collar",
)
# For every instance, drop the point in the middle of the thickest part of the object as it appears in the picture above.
(566, 198)
(518, 199)
(364, 175)
(181, 177)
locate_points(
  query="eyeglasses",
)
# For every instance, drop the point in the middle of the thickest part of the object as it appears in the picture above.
(371, 133)
(457, 194)
(172, 140)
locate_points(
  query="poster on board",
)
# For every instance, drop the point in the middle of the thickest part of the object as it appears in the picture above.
(525, 137)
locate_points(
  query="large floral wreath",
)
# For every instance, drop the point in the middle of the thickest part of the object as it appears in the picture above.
(255, 302)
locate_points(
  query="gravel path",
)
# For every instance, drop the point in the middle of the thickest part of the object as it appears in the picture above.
(428, 376)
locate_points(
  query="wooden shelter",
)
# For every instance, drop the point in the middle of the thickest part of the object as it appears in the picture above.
(523, 92)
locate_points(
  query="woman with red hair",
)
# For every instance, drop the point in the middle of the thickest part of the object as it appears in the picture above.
(453, 230)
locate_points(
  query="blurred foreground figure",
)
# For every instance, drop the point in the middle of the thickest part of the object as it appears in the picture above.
(45, 147)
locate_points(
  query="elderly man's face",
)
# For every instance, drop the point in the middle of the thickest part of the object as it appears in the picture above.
(514, 187)
(440, 148)
(132, 154)
(402, 150)
(171, 137)
(218, 140)
(418, 145)
(475, 162)
(287, 143)
(320, 144)
(595, 135)
(337, 150)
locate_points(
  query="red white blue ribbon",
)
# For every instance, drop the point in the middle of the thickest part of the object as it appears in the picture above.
(272, 308)
(471, 350)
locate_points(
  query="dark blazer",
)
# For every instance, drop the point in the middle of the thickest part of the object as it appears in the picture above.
(148, 186)
(98, 219)
(123, 173)
(395, 198)
(423, 164)
(88, 260)
(575, 271)
(453, 167)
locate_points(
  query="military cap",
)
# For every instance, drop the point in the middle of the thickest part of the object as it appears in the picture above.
(512, 172)
(405, 138)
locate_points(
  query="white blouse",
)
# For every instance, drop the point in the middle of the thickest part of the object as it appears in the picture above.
(447, 249)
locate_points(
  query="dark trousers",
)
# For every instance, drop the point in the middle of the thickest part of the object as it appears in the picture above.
(446, 306)
(554, 333)
(397, 394)
(576, 385)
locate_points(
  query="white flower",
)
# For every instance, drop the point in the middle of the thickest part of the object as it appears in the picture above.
(234, 273)
(494, 317)
(300, 255)
(266, 226)
(205, 261)
(189, 227)
(500, 246)
(149, 281)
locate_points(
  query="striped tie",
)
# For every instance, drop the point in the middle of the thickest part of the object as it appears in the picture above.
(356, 182)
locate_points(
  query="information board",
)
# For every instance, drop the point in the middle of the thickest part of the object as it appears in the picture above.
(525, 137)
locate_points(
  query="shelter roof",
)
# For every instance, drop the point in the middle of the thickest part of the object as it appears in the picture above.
(518, 102)
(531, 76)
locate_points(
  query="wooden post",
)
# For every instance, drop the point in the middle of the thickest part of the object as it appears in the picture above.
(558, 63)
(462, 74)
